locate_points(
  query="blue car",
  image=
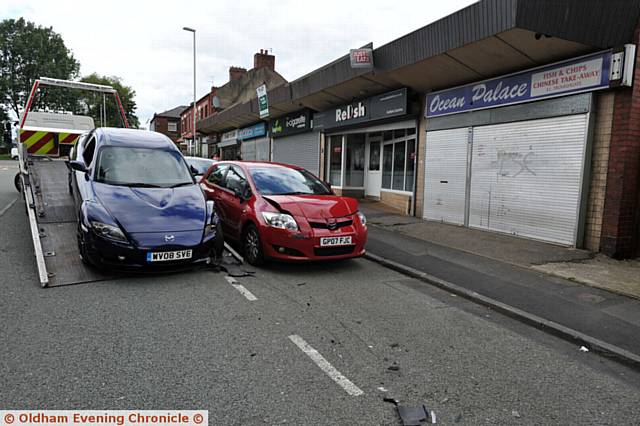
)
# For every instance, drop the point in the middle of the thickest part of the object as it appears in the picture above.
(138, 205)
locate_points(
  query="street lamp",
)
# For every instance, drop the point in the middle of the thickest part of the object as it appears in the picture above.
(194, 85)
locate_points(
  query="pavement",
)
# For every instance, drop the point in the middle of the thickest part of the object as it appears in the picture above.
(200, 340)
(510, 274)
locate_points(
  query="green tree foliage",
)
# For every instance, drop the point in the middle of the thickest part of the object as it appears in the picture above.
(90, 103)
(28, 52)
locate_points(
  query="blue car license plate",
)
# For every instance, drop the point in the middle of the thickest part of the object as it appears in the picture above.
(164, 256)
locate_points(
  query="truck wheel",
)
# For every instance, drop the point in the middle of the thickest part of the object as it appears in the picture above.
(17, 183)
(252, 246)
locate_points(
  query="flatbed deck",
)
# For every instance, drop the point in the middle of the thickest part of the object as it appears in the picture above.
(56, 222)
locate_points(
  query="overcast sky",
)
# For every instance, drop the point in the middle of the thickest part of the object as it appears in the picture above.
(143, 42)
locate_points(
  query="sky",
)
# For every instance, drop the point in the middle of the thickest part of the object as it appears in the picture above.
(143, 42)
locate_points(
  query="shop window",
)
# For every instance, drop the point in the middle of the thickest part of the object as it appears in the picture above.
(399, 133)
(387, 165)
(411, 131)
(374, 156)
(335, 160)
(410, 161)
(398, 166)
(388, 135)
(354, 166)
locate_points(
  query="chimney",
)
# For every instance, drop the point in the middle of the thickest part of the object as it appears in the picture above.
(236, 72)
(263, 59)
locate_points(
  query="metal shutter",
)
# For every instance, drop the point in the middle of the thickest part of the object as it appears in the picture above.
(248, 150)
(446, 175)
(262, 149)
(526, 177)
(301, 150)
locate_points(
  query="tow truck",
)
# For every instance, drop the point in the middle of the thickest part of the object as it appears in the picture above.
(45, 139)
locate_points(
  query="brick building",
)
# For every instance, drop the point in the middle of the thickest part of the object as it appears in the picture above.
(240, 88)
(168, 123)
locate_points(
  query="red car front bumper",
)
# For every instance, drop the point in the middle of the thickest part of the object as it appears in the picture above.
(282, 244)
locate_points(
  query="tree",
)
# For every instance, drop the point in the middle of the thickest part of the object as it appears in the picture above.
(28, 52)
(90, 103)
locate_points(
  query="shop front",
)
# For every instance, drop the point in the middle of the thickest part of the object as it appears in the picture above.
(294, 141)
(254, 143)
(513, 154)
(229, 146)
(370, 148)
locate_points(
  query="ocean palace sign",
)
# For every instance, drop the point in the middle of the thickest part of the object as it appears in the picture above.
(579, 75)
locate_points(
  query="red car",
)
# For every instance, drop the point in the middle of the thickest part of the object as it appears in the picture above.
(284, 212)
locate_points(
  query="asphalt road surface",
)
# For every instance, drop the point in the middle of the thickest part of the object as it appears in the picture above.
(296, 344)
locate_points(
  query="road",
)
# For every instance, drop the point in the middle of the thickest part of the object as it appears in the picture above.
(196, 341)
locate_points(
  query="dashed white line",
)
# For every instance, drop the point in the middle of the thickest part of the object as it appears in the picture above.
(325, 366)
(242, 289)
(8, 207)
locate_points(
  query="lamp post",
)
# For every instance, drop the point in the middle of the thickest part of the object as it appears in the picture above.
(194, 86)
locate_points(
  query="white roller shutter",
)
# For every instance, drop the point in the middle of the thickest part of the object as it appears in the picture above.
(301, 150)
(248, 150)
(262, 149)
(526, 177)
(446, 175)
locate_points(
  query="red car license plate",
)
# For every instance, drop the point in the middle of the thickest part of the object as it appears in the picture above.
(335, 241)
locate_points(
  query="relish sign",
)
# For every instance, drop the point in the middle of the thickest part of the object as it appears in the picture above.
(580, 75)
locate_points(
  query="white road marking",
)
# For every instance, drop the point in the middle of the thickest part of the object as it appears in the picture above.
(242, 289)
(8, 207)
(325, 366)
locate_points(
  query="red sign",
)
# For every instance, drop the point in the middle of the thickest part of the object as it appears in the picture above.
(361, 58)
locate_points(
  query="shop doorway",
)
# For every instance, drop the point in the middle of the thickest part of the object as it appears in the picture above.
(373, 154)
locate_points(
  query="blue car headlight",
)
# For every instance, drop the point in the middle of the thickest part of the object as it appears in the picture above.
(111, 232)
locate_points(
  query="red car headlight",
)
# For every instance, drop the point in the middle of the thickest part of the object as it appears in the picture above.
(363, 219)
(280, 220)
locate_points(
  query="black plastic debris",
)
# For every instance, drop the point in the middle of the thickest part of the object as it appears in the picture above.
(239, 273)
(394, 368)
(414, 416)
(391, 401)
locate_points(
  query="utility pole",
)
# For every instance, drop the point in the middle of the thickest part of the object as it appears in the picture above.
(198, 150)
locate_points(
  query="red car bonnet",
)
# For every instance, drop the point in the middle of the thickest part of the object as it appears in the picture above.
(315, 206)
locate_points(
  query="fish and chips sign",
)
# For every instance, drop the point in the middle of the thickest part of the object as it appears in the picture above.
(580, 75)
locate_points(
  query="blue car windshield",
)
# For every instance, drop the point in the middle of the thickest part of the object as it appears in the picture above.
(286, 181)
(142, 167)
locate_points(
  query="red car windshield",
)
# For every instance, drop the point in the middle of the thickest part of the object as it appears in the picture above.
(286, 181)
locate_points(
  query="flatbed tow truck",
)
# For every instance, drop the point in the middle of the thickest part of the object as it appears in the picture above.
(45, 139)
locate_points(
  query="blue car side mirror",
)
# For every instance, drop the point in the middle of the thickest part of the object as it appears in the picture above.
(78, 166)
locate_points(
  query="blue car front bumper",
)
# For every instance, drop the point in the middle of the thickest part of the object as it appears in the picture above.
(104, 252)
